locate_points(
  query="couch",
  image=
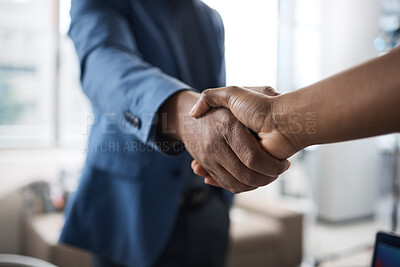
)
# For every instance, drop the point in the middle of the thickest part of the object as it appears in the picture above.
(262, 234)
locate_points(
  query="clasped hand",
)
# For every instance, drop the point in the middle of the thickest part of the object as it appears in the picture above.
(245, 163)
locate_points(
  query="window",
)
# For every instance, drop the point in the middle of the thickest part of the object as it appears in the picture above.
(251, 40)
(41, 104)
(41, 101)
(300, 34)
(27, 72)
(74, 107)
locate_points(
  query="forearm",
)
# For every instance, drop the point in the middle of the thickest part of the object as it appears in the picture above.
(361, 102)
(115, 76)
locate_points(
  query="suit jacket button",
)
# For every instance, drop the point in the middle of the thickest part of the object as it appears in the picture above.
(137, 122)
(132, 119)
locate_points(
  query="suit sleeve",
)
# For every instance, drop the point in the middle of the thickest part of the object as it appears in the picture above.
(114, 75)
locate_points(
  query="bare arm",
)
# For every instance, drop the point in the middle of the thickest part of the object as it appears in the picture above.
(361, 102)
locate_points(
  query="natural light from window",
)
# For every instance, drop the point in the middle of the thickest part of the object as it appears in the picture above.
(251, 40)
(43, 108)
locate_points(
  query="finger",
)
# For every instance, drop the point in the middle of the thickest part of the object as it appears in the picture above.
(211, 181)
(211, 98)
(228, 182)
(250, 153)
(220, 97)
(266, 90)
(193, 164)
(278, 145)
(242, 173)
(198, 169)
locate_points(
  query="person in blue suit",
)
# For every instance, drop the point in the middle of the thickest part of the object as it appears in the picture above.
(138, 202)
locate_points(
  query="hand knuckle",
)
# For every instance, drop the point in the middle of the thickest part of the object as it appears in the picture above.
(227, 124)
(265, 90)
(224, 127)
(206, 93)
(250, 159)
(207, 147)
(247, 178)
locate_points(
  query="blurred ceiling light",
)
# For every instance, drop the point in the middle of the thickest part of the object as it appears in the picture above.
(380, 44)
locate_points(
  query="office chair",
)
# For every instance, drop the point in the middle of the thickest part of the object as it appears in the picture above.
(9, 260)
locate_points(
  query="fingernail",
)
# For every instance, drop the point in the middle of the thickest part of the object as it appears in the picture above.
(192, 110)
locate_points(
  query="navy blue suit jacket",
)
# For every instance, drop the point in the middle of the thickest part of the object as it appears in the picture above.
(132, 61)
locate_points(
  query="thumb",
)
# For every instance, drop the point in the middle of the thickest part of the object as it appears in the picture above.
(277, 145)
(211, 98)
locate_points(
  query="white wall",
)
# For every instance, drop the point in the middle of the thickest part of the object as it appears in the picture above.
(17, 169)
(20, 167)
(349, 28)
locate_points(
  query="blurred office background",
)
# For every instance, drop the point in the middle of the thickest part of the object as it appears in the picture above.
(343, 191)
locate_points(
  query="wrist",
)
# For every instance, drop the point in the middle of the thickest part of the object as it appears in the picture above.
(278, 137)
(174, 113)
(291, 121)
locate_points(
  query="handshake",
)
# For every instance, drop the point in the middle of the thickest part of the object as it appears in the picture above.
(238, 136)
(241, 137)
